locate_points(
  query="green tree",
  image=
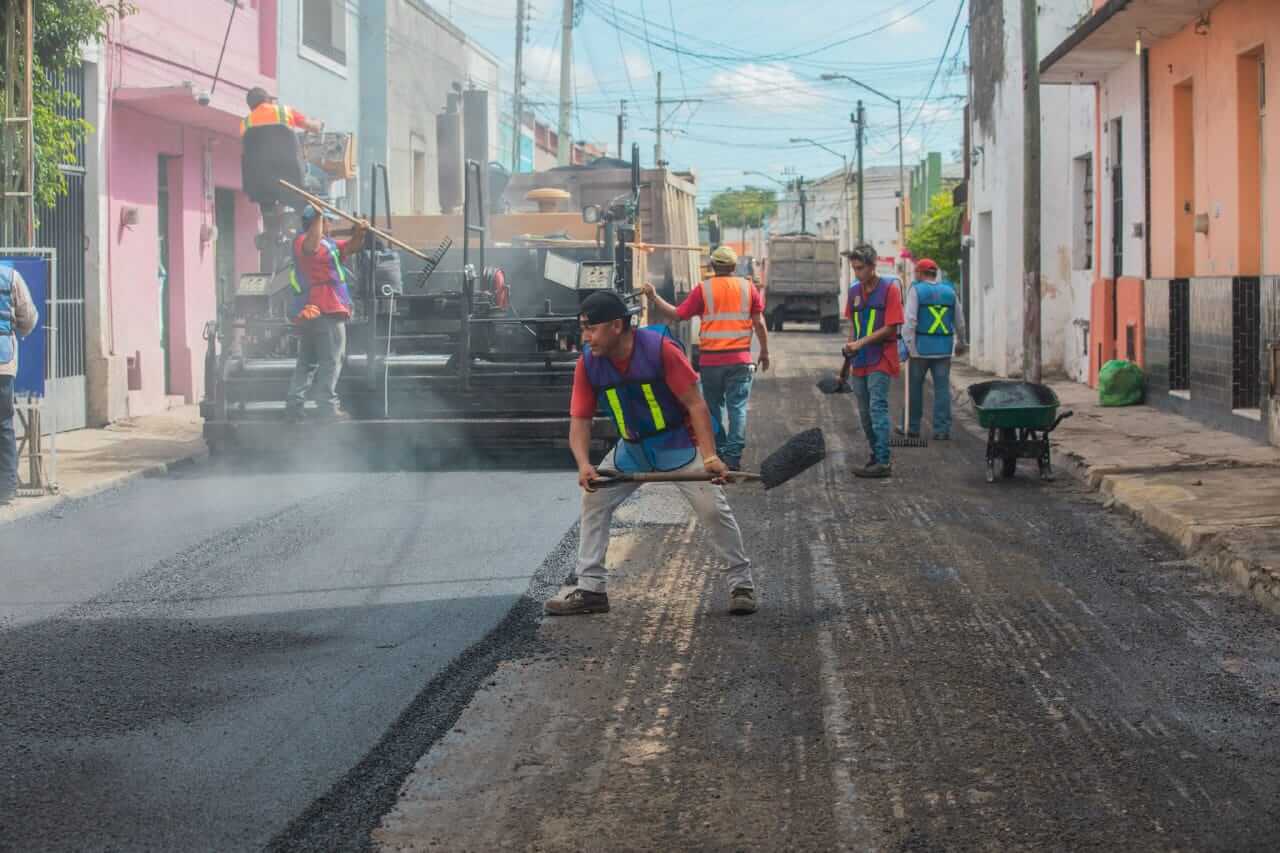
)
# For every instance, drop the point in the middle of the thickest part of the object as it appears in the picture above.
(745, 207)
(937, 236)
(61, 28)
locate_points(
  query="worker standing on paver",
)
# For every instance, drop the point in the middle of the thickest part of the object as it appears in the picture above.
(933, 318)
(731, 308)
(18, 316)
(642, 379)
(322, 309)
(875, 315)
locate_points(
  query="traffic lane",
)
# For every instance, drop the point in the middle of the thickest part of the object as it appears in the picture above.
(208, 700)
(81, 550)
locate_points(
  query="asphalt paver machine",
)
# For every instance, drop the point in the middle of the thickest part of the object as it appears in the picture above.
(463, 348)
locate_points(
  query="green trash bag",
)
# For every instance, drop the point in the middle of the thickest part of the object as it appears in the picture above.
(1120, 383)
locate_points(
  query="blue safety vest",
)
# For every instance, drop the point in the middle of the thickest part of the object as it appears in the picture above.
(649, 418)
(8, 347)
(868, 318)
(337, 278)
(935, 319)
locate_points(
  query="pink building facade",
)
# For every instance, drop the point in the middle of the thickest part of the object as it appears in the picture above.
(175, 228)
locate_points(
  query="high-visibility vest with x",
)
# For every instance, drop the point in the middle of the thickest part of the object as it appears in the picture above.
(650, 420)
(726, 316)
(935, 319)
(8, 347)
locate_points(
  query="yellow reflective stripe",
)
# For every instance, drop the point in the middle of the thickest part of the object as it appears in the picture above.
(659, 422)
(857, 324)
(871, 322)
(616, 405)
(293, 280)
(939, 313)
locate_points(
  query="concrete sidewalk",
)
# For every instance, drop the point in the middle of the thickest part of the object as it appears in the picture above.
(1215, 494)
(94, 460)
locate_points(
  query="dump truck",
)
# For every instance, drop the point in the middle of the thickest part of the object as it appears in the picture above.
(465, 347)
(803, 282)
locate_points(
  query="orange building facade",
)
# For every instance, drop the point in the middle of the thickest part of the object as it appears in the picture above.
(1186, 188)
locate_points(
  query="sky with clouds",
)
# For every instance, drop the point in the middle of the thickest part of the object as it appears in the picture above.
(754, 69)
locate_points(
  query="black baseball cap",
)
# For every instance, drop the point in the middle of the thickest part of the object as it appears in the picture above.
(603, 306)
(256, 95)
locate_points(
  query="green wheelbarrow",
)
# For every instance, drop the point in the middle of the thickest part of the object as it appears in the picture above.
(1018, 417)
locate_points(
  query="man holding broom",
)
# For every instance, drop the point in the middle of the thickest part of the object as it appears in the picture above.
(644, 382)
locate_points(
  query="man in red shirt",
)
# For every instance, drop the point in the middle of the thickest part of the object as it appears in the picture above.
(875, 315)
(731, 309)
(319, 281)
(642, 379)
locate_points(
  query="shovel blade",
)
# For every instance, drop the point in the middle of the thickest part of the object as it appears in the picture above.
(799, 454)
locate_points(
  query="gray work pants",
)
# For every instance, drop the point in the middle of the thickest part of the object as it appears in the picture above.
(320, 353)
(707, 501)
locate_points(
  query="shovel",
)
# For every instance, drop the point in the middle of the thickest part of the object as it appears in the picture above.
(799, 454)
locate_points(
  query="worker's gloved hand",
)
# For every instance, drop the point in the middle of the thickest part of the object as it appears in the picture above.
(587, 474)
(308, 312)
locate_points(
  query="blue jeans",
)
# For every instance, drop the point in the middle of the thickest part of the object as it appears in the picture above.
(8, 441)
(728, 387)
(940, 368)
(872, 393)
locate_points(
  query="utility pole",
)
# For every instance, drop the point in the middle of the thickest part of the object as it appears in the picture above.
(860, 121)
(564, 152)
(804, 222)
(1030, 193)
(657, 148)
(517, 124)
(622, 123)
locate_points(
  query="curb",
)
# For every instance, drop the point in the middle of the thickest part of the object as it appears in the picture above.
(38, 506)
(1206, 545)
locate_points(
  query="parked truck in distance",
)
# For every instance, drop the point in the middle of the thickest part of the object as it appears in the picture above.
(803, 282)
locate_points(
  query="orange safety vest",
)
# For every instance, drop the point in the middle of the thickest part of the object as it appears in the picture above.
(726, 317)
(267, 113)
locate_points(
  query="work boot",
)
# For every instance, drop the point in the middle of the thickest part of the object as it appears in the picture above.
(942, 436)
(332, 416)
(733, 463)
(742, 601)
(875, 471)
(576, 603)
(909, 434)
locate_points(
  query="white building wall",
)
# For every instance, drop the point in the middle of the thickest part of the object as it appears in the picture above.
(1120, 97)
(1066, 123)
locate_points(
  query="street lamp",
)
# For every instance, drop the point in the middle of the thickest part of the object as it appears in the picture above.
(767, 178)
(902, 171)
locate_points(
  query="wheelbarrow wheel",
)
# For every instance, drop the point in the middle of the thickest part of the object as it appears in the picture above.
(991, 470)
(1009, 460)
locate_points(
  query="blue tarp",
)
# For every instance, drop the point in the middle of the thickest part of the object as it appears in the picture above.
(31, 349)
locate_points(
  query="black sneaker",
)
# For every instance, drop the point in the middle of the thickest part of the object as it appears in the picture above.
(901, 431)
(733, 464)
(876, 471)
(577, 602)
(294, 415)
(942, 436)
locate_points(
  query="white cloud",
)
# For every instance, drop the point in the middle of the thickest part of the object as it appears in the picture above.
(904, 24)
(637, 66)
(542, 70)
(772, 88)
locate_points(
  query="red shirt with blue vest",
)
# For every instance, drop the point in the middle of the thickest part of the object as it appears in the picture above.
(322, 273)
(882, 307)
(641, 395)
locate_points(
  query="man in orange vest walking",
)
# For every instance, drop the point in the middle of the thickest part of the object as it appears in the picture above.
(731, 309)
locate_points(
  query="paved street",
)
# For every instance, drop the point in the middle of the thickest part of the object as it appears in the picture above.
(228, 659)
(191, 661)
(938, 664)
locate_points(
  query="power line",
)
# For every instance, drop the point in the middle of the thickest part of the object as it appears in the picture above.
(950, 35)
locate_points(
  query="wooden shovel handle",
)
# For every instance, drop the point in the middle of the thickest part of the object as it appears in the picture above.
(614, 477)
(324, 205)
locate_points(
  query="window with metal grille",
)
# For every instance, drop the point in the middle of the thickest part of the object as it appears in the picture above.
(1082, 244)
(1246, 343)
(1179, 335)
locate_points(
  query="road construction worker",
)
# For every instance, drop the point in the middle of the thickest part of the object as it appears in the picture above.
(731, 309)
(875, 315)
(933, 319)
(265, 110)
(322, 307)
(643, 381)
(18, 316)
